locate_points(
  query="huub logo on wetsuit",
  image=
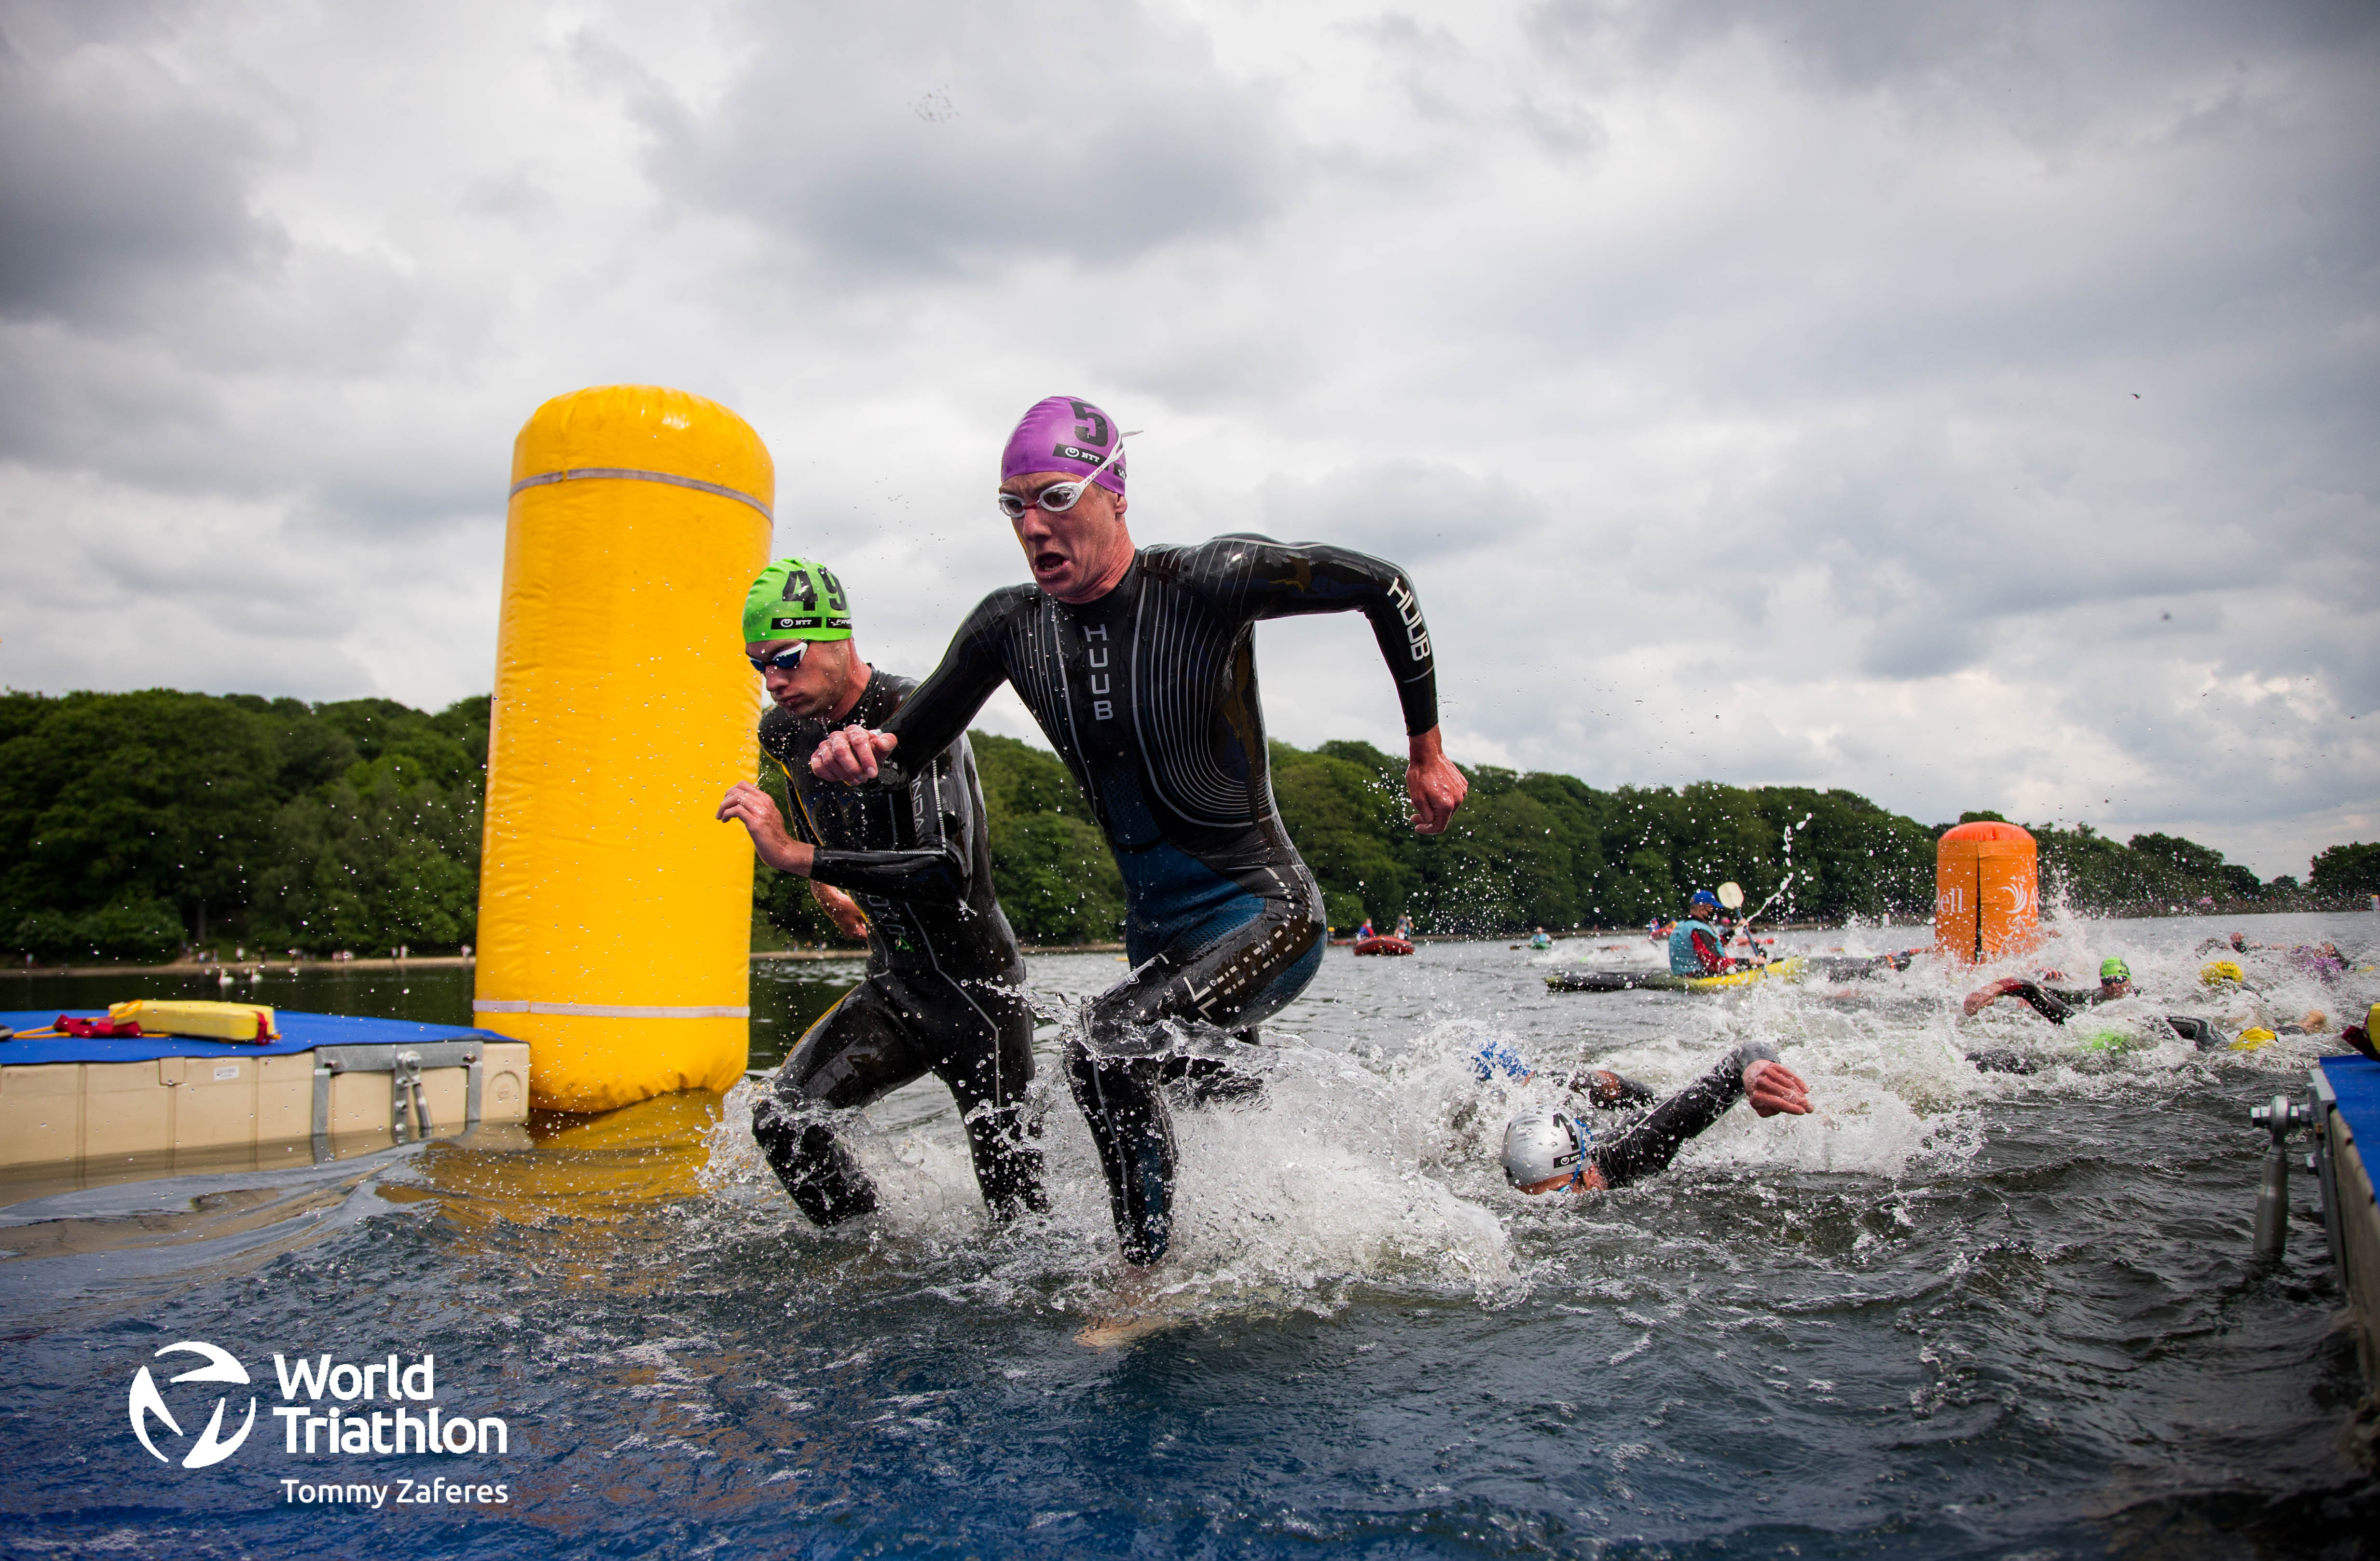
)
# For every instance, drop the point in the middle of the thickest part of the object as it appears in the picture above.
(1148, 692)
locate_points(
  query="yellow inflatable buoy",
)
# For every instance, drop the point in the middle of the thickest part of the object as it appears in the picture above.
(614, 912)
(2253, 1040)
(2215, 971)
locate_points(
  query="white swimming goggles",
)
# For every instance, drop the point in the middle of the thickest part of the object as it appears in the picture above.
(1059, 497)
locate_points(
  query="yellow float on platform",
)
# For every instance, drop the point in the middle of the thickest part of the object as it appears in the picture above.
(614, 911)
(1986, 891)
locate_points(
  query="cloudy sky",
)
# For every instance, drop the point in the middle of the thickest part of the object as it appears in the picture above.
(1972, 404)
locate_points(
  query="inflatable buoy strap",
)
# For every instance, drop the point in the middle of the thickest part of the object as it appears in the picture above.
(631, 473)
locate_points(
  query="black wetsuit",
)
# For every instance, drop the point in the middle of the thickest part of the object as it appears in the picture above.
(1149, 696)
(1650, 1143)
(2059, 1004)
(944, 992)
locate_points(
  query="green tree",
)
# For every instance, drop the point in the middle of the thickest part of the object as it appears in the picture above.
(2347, 872)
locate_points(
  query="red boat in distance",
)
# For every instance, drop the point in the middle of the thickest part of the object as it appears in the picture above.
(1383, 945)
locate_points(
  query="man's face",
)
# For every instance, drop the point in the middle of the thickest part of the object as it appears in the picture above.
(811, 689)
(2108, 989)
(1071, 554)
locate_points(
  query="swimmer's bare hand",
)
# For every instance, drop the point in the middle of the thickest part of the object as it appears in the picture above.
(1773, 1087)
(1984, 996)
(1436, 787)
(757, 811)
(849, 755)
(840, 909)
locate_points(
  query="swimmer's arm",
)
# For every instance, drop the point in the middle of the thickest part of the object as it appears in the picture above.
(896, 875)
(940, 872)
(1270, 579)
(936, 712)
(755, 809)
(1283, 580)
(934, 874)
(841, 909)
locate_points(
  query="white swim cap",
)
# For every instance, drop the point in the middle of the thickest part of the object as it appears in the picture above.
(1538, 1146)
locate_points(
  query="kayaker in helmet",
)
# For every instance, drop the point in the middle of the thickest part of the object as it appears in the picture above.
(1695, 943)
(1555, 1152)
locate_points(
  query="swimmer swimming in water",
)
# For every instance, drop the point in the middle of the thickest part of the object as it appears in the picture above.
(944, 988)
(1552, 1151)
(2056, 1005)
(1139, 665)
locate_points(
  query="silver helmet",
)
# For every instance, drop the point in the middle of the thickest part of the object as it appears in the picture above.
(1541, 1146)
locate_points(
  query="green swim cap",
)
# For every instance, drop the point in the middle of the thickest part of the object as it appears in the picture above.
(2114, 970)
(797, 599)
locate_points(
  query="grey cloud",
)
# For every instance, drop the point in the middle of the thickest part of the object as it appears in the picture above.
(116, 184)
(2048, 69)
(1406, 510)
(1061, 131)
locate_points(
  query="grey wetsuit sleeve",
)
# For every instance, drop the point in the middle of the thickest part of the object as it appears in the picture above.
(1294, 579)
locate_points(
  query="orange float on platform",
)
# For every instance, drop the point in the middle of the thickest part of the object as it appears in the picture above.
(1986, 891)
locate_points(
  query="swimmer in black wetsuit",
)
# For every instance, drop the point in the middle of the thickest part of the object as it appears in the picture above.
(944, 992)
(2056, 1004)
(1548, 1152)
(2060, 1004)
(1139, 665)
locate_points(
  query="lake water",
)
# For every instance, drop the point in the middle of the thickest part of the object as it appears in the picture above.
(1949, 1313)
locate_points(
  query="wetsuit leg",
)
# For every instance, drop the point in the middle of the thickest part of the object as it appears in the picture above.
(987, 1078)
(1653, 1143)
(859, 1051)
(1118, 1069)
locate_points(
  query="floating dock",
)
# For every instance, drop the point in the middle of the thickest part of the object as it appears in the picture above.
(78, 1112)
(2347, 1122)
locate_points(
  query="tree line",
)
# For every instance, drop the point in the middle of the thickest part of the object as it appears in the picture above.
(137, 825)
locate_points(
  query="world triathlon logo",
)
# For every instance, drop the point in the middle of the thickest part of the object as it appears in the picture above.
(148, 1402)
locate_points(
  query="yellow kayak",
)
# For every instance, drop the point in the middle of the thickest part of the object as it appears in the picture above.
(1790, 969)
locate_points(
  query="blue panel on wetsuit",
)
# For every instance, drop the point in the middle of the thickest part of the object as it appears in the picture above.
(1175, 898)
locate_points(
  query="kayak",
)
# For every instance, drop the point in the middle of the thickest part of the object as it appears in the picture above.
(1662, 981)
(1383, 945)
(1797, 967)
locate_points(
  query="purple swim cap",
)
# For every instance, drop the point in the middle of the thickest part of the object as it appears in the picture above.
(1063, 434)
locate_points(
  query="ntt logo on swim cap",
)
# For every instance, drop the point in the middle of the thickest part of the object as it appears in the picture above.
(148, 1401)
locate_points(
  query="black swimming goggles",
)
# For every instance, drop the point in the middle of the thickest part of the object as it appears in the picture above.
(784, 660)
(1059, 497)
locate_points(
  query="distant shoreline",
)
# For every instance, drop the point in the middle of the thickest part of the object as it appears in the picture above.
(462, 961)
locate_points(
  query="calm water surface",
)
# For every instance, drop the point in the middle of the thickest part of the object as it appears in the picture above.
(1949, 1314)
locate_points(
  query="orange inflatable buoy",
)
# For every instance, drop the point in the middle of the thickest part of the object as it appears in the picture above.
(1986, 891)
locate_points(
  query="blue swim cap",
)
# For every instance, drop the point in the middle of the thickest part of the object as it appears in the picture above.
(1704, 897)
